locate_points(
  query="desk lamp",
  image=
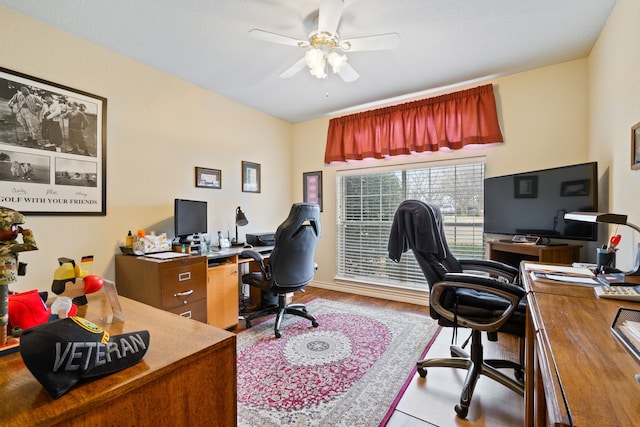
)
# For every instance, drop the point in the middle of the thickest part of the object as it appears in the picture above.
(241, 221)
(608, 218)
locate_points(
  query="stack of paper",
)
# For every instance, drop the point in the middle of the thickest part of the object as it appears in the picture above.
(563, 274)
(631, 330)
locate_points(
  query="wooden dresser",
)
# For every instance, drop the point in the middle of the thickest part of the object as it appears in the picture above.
(187, 378)
(178, 285)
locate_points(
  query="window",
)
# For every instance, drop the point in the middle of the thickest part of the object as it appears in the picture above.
(367, 201)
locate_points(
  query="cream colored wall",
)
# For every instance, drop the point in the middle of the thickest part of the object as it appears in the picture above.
(614, 107)
(159, 128)
(543, 117)
(154, 118)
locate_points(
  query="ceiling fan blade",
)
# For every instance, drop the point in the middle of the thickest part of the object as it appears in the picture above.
(294, 69)
(329, 15)
(277, 38)
(348, 74)
(377, 42)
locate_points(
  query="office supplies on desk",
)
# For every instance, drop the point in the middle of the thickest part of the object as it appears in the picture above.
(626, 327)
(567, 278)
(609, 218)
(564, 274)
(614, 241)
(551, 268)
(625, 293)
(166, 255)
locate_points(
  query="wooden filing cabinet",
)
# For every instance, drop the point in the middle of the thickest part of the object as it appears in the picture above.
(222, 292)
(177, 285)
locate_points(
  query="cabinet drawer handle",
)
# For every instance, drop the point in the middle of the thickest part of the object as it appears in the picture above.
(184, 276)
(183, 294)
(186, 314)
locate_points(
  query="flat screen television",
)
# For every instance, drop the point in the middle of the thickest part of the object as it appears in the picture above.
(534, 203)
(189, 217)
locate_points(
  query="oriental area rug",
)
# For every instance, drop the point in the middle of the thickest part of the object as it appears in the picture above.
(349, 371)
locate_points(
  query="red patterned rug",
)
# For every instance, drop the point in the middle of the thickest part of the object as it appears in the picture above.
(350, 371)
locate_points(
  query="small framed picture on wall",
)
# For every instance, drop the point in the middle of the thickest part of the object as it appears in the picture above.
(250, 177)
(312, 188)
(208, 178)
(635, 146)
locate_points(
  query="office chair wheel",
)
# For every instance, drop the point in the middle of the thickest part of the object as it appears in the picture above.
(422, 372)
(314, 324)
(247, 324)
(462, 412)
(278, 334)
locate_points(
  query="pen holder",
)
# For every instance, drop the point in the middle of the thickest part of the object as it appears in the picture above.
(605, 259)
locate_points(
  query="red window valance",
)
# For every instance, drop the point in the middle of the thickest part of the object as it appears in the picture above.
(452, 120)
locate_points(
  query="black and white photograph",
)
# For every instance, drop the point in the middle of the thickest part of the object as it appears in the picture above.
(52, 139)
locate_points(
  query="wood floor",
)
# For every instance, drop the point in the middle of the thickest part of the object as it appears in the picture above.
(429, 401)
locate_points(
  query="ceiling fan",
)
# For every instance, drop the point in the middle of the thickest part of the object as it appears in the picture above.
(324, 45)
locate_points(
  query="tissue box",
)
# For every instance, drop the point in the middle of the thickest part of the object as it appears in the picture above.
(151, 244)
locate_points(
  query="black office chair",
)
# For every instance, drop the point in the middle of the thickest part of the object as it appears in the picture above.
(482, 295)
(291, 265)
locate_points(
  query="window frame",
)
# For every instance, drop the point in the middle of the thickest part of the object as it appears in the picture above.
(361, 242)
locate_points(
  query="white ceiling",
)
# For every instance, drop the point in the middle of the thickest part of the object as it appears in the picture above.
(442, 42)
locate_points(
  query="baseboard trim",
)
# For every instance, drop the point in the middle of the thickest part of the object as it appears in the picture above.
(392, 293)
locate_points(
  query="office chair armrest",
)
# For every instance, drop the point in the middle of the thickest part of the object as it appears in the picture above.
(258, 258)
(492, 267)
(509, 293)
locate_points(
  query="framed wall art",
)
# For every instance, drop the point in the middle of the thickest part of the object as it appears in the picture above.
(208, 178)
(52, 147)
(250, 177)
(635, 146)
(312, 188)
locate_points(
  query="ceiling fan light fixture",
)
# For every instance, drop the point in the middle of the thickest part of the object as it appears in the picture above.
(314, 58)
(337, 61)
(316, 62)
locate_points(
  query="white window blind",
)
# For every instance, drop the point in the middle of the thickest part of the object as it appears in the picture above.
(367, 201)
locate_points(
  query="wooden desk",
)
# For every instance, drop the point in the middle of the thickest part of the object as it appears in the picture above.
(187, 378)
(514, 253)
(577, 373)
(202, 287)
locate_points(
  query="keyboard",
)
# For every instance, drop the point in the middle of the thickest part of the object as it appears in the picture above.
(626, 293)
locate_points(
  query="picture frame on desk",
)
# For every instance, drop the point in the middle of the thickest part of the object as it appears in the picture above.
(250, 177)
(53, 147)
(635, 146)
(312, 188)
(208, 178)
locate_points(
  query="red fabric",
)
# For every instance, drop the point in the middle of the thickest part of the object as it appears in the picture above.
(453, 121)
(27, 309)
